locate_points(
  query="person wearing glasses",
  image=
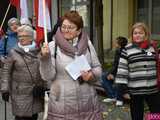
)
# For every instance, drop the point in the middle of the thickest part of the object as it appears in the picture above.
(71, 99)
(19, 76)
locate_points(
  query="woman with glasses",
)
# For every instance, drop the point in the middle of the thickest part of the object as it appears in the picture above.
(71, 99)
(19, 76)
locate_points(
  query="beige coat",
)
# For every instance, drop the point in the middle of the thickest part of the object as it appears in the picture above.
(17, 80)
(70, 100)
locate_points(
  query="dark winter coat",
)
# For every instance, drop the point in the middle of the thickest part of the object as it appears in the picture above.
(116, 61)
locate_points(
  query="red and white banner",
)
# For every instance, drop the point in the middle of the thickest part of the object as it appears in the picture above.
(15, 3)
(24, 9)
(21, 6)
(42, 18)
(41, 15)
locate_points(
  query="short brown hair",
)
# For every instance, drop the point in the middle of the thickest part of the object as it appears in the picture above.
(122, 41)
(74, 17)
(143, 26)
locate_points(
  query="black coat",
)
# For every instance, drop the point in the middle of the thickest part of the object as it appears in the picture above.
(116, 61)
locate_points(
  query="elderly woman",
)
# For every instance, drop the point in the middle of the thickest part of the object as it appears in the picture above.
(10, 40)
(71, 99)
(137, 69)
(20, 75)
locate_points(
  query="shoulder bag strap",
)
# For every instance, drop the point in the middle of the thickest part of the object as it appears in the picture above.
(28, 68)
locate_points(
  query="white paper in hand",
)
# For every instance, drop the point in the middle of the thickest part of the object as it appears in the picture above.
(79, 64)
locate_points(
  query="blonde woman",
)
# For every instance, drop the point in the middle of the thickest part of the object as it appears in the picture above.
(137, 69)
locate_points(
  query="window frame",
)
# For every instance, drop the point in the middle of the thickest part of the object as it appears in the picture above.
(154, 36)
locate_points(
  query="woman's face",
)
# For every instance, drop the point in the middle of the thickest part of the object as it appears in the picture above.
(24, 38)
(14, 27)
(138, 35)
(69, 30)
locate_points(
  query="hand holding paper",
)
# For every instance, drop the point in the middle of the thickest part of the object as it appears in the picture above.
(86, 75)
(79, 65)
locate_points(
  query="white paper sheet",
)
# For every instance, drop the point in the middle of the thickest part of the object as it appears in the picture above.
(79, 64)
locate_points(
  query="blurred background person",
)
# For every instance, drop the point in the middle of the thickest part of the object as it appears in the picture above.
(10, 40)
(27, 21)
(114, 92)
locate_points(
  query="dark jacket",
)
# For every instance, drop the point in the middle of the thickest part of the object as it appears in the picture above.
(116, 61)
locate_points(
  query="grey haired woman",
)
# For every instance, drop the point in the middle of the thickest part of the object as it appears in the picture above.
(21, 74)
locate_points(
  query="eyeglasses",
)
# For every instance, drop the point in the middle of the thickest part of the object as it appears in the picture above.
(69, 28)
(22, 37)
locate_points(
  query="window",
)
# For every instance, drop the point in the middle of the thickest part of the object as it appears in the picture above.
(82, 6)
(156, 17)
(148, 11)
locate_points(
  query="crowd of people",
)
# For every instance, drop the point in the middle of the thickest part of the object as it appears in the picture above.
(27, 71)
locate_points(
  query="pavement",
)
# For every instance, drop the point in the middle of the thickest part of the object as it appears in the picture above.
(112, 112)
(9, 115)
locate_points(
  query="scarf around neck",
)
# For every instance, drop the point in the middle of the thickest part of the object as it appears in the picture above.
(143, 45)
(27, 48)
(69, 49)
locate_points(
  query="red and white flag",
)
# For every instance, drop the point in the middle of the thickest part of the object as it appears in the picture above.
(24, 9)
(42, 22)
(15, 3)
(21, 6)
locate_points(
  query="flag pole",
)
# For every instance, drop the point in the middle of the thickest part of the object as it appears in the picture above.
(44, 20)
(5, 16)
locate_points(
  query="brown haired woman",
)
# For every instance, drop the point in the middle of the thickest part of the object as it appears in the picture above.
(71, 99)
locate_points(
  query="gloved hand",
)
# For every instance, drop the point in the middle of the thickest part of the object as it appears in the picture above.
(5, 96)
(39, 91)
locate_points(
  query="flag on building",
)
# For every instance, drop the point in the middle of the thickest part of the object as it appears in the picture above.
(40, 21)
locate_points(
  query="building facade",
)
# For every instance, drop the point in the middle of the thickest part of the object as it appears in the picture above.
(104, 20)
